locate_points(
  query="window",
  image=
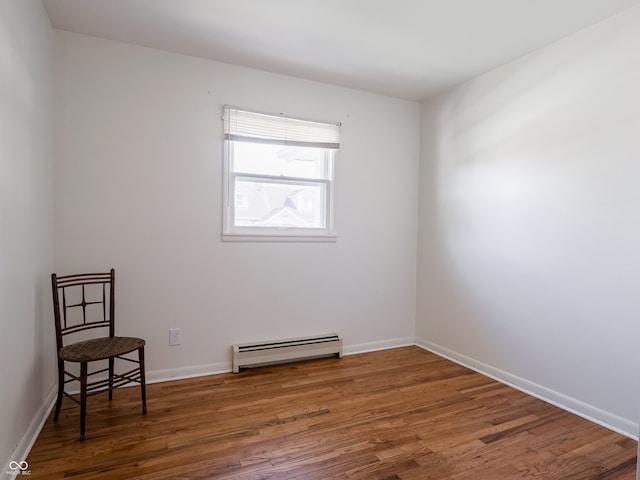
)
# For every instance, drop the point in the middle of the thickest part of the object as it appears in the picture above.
(278, 177)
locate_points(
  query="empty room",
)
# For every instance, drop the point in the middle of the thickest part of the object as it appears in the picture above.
(355, 239)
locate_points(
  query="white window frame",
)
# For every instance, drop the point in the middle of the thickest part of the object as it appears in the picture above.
(233, 232)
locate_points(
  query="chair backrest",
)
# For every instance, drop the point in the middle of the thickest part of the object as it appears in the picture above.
(82, 302)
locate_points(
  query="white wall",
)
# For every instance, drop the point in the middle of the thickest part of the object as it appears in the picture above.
(138, 147)
(529, 235)
(27, 341)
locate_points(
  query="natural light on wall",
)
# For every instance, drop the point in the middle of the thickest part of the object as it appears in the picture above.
(278, 177)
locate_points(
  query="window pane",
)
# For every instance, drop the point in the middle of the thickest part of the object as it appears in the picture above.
(263, 159)
(261, 203)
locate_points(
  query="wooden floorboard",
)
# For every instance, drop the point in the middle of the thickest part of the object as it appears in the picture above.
(403, 414)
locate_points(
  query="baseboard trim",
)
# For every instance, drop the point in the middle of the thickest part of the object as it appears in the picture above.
(377, 346)
(23, 448)
(167, 375)
(589, 412)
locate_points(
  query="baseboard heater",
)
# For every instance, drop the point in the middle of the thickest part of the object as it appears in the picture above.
(285, 350)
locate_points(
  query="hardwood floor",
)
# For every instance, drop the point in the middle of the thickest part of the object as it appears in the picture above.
(396, 414)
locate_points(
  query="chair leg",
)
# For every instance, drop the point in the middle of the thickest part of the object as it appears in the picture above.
(83, 398)
(111, 363)
(60, 389)
(143, 386)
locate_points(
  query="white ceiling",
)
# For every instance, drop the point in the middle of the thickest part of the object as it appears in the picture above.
(403, 48)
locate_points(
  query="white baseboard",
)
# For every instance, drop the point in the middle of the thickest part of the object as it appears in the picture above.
(23, 448)
(601, 417)
(376, 346)
(157, 376)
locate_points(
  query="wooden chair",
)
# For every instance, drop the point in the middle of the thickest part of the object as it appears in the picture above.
(83, 302)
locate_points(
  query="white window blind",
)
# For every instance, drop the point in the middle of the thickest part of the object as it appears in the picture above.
(244, 126)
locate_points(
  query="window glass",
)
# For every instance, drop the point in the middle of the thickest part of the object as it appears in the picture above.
(275, 185)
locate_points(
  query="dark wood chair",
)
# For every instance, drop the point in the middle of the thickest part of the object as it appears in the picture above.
(83, 302)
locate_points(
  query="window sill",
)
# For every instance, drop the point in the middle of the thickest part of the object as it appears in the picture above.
(278, 237)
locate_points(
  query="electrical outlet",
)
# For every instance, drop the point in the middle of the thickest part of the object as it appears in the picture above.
(175, 336)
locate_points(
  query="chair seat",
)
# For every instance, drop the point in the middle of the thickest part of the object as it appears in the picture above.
(100, 348)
